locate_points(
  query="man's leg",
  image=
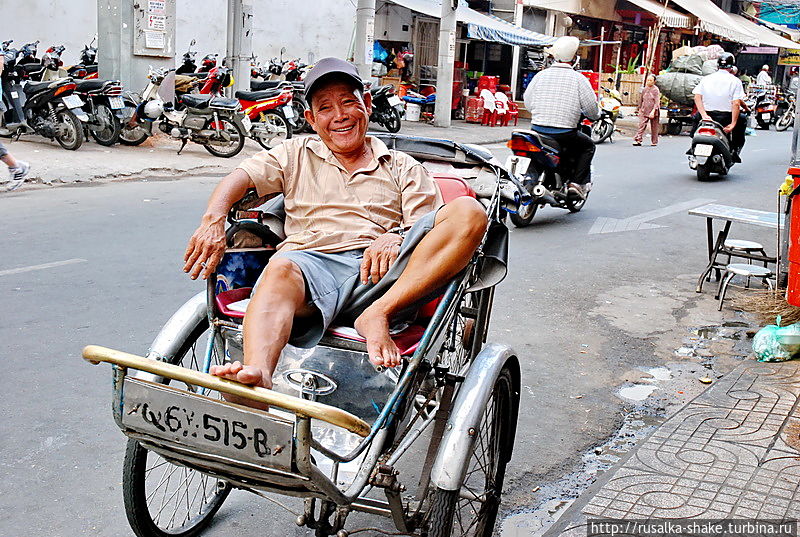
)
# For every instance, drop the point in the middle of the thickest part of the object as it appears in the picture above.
(279, 297)
(445, 250)
(583, 148)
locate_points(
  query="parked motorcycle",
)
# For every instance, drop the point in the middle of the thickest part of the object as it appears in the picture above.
(603, 128)
(786, 113)
(387, 108)
(188, 64)
(216, 123)
(299, 104)
(104, 107)
(545, 174)
(86, 68)
(710, 151)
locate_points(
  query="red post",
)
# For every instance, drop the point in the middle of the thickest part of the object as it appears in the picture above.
(793, 285)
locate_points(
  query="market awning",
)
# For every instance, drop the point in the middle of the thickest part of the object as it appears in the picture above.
(794, 35)
(671, 18)
(480, 26)
(766, 36)
(712, 19)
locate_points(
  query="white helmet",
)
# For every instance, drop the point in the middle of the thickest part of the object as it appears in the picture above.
(153, 109)
(765, 67)
(564, 49)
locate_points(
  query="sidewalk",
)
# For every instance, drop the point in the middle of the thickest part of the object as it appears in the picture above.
(733, 452)
(157, 157)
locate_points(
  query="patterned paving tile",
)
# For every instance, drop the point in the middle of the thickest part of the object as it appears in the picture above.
(733, 452)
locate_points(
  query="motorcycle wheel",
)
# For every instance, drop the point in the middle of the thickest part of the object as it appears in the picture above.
(761, 123)
(279, 126)
(235, 144)
(602, 131)
(393, 121)
(525, 213)
(108, 133)
(785, 121)
(69, 131)
(702, 173)
(300, 116)
(132, 135)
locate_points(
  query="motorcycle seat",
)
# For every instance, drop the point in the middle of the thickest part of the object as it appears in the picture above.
(85, 86)
(547, 143)
(224, 102)
(36, 87)
(258, 95)
(256, 85)
(195, 100)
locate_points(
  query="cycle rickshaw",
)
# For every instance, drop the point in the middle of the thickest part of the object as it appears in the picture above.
(337, 428)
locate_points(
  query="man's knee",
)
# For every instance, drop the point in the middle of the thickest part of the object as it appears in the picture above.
(282, 269)
(468, 216)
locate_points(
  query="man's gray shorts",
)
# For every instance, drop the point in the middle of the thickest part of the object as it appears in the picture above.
(3, 150)
(334, 286)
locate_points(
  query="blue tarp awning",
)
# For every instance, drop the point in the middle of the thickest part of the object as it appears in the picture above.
(479, 25)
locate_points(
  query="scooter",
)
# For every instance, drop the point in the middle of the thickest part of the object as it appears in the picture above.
(49, 109)
(710, 151)
(188, 64)
(216, 123)
(299, 105)
(104, 107)
(765, 110)
(545, 173)
(387, 108)
(87, 66)
(603, 128)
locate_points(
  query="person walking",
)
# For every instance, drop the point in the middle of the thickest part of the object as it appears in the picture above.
(17, 168)
(649, 108)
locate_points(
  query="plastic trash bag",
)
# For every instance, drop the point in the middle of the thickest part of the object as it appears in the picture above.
(767, 343)
(688, 64)
(710, 66)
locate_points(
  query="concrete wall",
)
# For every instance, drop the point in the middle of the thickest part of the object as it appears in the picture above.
(323, 27)
(390, 21)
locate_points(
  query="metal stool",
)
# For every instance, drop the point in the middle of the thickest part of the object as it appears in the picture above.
(741, 269)
(747, 247)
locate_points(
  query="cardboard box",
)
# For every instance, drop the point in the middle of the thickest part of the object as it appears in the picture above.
(393, 80)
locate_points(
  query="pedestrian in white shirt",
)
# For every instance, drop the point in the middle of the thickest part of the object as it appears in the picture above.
(718, 97)
(763, 78)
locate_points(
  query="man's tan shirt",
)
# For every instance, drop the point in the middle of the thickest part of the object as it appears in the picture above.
(330, 210)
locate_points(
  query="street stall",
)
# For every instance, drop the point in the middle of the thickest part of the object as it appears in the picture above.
(483, 48)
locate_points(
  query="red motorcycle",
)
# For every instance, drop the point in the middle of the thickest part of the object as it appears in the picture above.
(270, 111)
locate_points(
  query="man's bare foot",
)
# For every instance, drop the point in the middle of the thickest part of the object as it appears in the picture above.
(373, 325)
(244, 374)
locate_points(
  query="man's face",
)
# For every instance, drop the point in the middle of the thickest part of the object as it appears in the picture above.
(340, 115)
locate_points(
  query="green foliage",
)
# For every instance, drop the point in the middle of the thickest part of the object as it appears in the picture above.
(633, 63)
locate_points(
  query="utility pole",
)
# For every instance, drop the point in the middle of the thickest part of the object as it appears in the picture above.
(239, 44)
(365, 37)
(518, 13)
(447, 56)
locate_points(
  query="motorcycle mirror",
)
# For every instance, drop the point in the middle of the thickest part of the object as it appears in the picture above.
(283, 51)
(610, 79)
(192, 43)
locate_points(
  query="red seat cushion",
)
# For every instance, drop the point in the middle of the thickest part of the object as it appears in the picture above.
(452, 186)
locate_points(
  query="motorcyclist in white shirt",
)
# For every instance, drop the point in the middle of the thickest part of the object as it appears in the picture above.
(763, 78)
(718, 97)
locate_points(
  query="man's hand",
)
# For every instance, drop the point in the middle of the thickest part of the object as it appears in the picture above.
(380, 255)
(706, 117)
(652, 114)
(206, 247)
(729, 128)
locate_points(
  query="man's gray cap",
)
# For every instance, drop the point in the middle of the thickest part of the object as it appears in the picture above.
(329, 67)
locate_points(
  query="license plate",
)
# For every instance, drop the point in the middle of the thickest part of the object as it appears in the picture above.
(247, 123)
(176, 417)
(394, 100)
(116, 103)
(288, 111)
(15, 95)
(517, 165)
(765, 117)
(703, 150)
(72, 101)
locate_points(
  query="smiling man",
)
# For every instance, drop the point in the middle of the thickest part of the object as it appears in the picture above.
(366, 235)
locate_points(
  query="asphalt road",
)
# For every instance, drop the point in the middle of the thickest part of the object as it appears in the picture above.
(102, 264)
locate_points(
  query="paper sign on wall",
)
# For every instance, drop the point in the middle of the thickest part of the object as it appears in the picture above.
(156, 7)
(156, 22)
(154, 39)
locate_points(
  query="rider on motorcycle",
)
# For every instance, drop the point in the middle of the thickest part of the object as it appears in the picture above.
(556, 99)
(718, 97)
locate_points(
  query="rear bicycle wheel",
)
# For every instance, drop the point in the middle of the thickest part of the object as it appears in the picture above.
(472, 510)
(785, 121)
(163, 499)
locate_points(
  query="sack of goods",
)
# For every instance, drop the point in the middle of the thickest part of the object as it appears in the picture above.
(688, 64)
(678, 86)
(709, 66)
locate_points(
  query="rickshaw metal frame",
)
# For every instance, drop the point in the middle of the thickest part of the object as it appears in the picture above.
(308, 481)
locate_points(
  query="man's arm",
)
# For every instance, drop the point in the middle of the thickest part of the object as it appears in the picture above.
(698, 102)
(207, 244)
(734, 116)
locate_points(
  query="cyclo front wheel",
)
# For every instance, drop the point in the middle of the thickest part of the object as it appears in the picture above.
(472, 510)
(163, 499)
